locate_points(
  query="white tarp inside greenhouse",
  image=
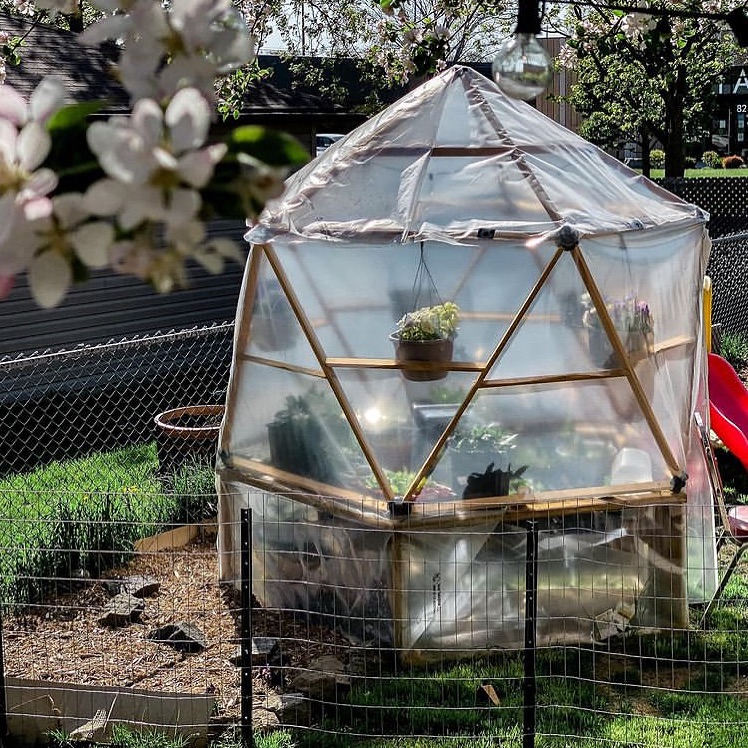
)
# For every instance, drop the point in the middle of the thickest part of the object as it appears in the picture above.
(576, 370)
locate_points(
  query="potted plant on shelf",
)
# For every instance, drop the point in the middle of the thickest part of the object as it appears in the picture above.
(302, 438)
(493, 482)
(426, 335)
(471, 450)
(427, 490)
(634, 323)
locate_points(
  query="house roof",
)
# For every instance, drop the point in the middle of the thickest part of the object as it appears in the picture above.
(88, 75)
(86, 70)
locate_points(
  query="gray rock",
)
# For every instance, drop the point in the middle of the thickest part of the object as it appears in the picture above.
(121, 610)
(295, 710)
(265, 651)
(323, 680)
(141, 585)
(183, 636)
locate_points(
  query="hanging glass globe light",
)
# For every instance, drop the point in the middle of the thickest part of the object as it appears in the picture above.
(522, 68)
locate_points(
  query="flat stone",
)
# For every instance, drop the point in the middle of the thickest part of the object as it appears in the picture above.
(183, 636)
(295, 710)
(121, 610)
(112, 586)
(265, 651)
(141, 585)
(324, 679)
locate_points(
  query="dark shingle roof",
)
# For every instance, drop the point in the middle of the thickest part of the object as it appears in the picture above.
(47, 49)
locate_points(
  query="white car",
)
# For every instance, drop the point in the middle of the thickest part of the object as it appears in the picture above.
(325, 140)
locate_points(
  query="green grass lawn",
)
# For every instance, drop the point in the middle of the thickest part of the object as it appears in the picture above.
(679, 689)
(84, 515)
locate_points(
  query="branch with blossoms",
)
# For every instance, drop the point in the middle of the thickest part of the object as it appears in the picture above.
(134, 193)
(421, 37)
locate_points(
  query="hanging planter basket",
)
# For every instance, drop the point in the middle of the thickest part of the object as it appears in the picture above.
(431, 358)
(274, 325)
(187, 434)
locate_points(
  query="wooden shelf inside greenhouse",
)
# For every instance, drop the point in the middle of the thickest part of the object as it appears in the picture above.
(513, 508)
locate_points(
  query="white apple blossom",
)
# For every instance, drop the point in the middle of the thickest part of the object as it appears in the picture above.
(4, 39)
(47, 247)
(154, 161)
(635, 25)
(24, 145)
(137, 207)
(162, 263)
(24, 7)
(198, 38)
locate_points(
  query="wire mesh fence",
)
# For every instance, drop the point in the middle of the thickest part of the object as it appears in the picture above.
(113, 613)
(358, 636)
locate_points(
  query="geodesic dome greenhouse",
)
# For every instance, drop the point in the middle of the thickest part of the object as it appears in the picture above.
(390, 491)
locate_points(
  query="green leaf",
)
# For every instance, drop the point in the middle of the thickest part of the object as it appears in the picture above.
(73, 114)
(269, 146)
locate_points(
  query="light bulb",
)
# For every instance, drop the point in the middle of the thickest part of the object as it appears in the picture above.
(522, 68)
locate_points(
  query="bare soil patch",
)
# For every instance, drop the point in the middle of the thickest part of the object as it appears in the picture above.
(63, 641)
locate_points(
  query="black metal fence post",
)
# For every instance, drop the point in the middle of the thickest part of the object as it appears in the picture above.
(246, 628)
(531, 612)
(3, 701)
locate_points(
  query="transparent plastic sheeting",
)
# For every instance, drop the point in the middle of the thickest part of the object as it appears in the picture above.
(461, 589)
(570, 431)
(396, 173)
(457, 193)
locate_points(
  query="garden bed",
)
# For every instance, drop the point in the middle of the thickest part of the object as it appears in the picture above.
(62, 640)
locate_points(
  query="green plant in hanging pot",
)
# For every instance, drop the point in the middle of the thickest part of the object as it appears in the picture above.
(425, 337)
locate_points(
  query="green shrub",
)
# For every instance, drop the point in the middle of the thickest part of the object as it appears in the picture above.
(193, 486)
(732, 162)
(657, 158)
(711, 159)
(690, 162)
(734, 347)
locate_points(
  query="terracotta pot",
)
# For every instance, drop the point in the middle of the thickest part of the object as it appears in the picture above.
(432, 352)
(187, 433)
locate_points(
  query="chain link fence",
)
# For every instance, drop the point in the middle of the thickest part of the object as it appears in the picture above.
(728, 269)
(62, 404)
(726, 201)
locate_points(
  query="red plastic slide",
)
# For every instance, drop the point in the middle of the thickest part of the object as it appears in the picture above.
(728, 407)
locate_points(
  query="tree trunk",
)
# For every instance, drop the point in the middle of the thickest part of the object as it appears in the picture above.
(646, 147)
(675, 148)
(75, 19)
